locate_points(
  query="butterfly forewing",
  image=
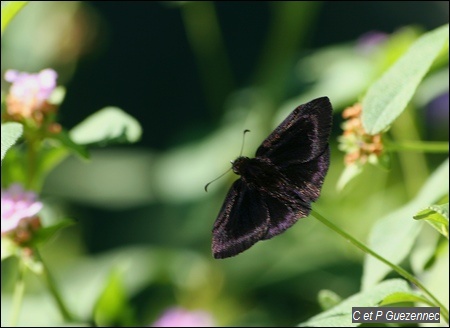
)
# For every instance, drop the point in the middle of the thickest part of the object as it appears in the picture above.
(242, 221)
(302, 136)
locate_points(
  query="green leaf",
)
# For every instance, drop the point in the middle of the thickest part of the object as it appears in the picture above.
(394, 235)
(9, 10)
(64, 138)
(402, 297)
(388, 96)
(112, 307)
(9, 248)
(108, 125)
(350, 172)
(44, 234)
(10, 133)
(327, 299)
(436, 216)
(341, 315)
(50, 157)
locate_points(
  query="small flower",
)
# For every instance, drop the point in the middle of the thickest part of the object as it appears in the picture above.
(360, 147)
(178, 317)
(19, 210)
(29, 93)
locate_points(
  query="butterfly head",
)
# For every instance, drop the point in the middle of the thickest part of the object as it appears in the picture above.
(239, 164)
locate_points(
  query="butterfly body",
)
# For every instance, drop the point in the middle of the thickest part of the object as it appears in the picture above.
(277, 186)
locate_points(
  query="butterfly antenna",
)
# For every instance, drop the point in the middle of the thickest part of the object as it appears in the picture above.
(243, 139)
(206, 186)
(240, 154)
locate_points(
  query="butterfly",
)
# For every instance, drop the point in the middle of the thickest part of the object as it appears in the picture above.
(277, 186)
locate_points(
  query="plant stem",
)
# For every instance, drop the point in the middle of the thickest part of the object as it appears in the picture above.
(422, 146)
(54, 291)
(19, 291)
(396, 268)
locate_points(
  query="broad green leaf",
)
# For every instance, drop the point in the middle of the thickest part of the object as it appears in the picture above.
(388, 96)
(394, 235)
(108, 125)
(327, 299)
(341, 315)
(425, 251)
(9, 10)
(112, 307)
(10, 133)
(436, 216)
(402, 297)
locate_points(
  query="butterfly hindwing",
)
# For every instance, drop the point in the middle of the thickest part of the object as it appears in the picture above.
(307, 177)
(283, 215)
(242, 221)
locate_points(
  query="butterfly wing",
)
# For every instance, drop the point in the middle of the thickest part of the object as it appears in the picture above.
(242, 221)
(299, 150)
(303, 187)
(302, 136)
(282, 181)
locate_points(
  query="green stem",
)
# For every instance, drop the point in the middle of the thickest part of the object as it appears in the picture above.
(54, 291)
(19, 291)
(32, 155)
(422, 146)
(205, 38)
(399, 270)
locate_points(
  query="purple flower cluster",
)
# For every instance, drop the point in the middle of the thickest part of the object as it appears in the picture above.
(178, 317)
(29, 92)
(17, 206)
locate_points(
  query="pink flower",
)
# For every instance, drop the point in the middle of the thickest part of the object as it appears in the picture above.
(178, 317)
(18, 205)
(29, 92)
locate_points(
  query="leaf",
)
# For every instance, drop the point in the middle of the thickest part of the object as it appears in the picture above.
(394, 235)
(44, 234)
(388, 96)
(108, 125)
(9, 248)
(436, 216)
(64, 138)
(327, 299)
(341, 315)
(402, 297)
(9, 10)
(10, 133)
(112, 307)
(350, 172)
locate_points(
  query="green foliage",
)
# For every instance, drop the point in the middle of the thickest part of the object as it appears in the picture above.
(436, 216)
(9, 10)
(10, 133)
(328, 299)
(341, 314)
(403, 297)
(388, 96)
(112, 308)
(394, 235)
(107, 126)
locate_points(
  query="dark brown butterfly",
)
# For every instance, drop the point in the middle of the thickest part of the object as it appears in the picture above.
(276, 187)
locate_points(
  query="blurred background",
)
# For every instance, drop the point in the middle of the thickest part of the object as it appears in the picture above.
(195, 75)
